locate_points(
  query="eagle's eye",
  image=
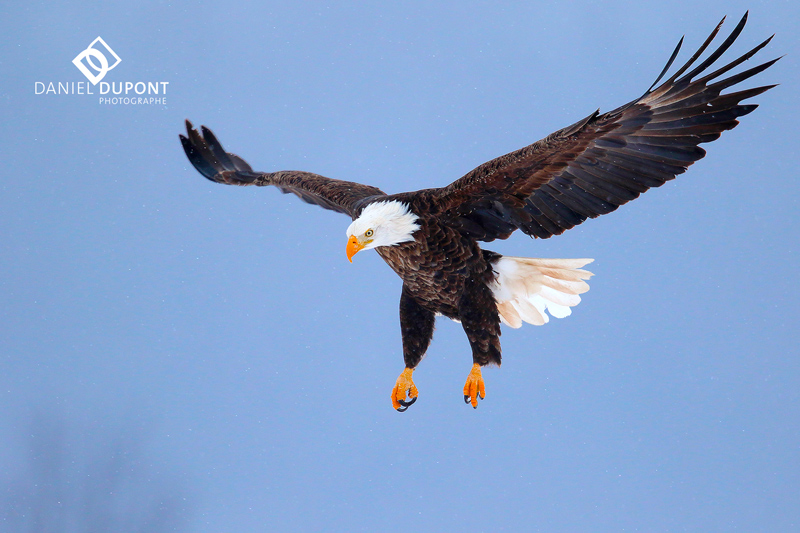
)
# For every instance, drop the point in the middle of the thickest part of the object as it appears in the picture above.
(369, 233)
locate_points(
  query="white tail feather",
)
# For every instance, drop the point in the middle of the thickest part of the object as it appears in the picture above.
(525, 288)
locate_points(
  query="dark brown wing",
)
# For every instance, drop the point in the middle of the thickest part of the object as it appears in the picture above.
(603, 161)
(212, 161)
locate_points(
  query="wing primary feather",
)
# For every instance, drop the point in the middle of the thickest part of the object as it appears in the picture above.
(669, 64)
(703, 102)
(198, 161)
(697, 53)
(718, 52)
(735, 63)
(216, 147)
(733, 80)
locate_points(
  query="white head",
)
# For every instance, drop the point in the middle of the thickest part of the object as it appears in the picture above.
(381, 224)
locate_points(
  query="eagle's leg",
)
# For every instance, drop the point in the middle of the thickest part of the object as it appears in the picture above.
(478, 313)
(416, 326)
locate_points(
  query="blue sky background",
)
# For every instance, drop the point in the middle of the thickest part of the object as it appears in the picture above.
(180, 355)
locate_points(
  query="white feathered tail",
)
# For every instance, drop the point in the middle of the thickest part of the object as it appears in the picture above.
(525, 288)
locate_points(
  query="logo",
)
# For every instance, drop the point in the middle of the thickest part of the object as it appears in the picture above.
(90, 54)
(94, 63)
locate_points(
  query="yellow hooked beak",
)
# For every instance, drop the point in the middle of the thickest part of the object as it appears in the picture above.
(353, 247)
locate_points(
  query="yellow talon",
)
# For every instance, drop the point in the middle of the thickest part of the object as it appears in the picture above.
(405, 385)
(474, 386)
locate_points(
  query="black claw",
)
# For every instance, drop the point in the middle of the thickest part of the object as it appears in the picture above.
(466, 398)
(404, 405)
(407, 404)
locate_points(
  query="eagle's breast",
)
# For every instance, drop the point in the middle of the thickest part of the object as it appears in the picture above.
(435, 264)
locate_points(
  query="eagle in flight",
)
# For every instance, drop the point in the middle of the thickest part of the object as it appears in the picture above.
(430, 237)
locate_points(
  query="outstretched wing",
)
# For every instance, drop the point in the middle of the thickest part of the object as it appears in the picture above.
(212, 161)
(603, 161)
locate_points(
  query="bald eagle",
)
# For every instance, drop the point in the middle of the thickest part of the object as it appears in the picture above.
(430, 237)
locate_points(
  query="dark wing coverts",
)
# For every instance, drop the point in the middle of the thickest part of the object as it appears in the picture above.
(603, 161)
(212, 161)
